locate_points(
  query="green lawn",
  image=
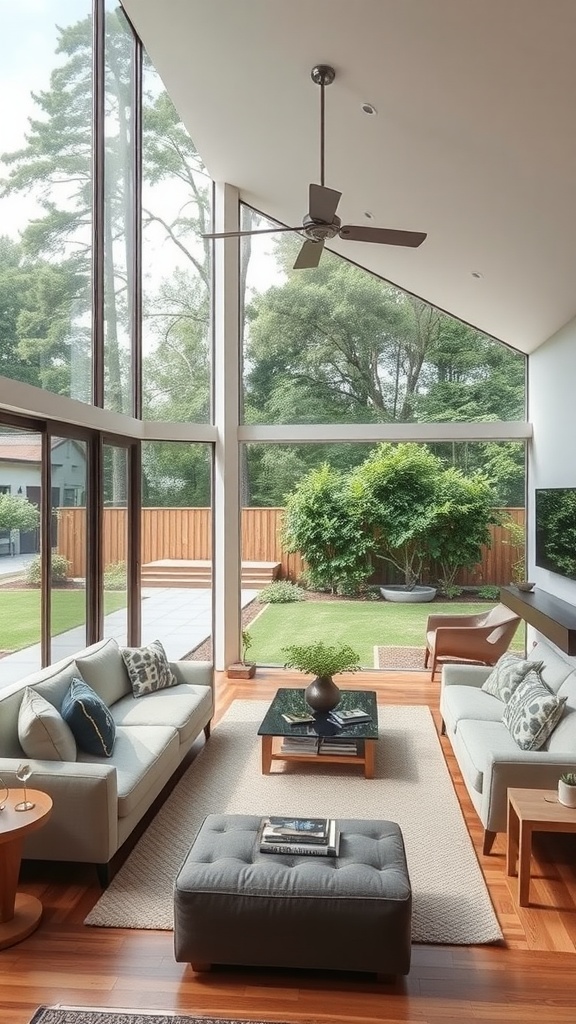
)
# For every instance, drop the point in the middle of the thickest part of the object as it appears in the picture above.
(20, 614)
(358, 623)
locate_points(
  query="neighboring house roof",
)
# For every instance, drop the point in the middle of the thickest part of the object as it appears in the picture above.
(26, 447)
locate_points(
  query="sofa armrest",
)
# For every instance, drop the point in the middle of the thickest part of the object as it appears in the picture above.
(83, 825)
(527, 769)
(465, 675)
(197, 673)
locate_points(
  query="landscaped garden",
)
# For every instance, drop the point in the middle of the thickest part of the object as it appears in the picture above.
(20, 614)
(361, 624)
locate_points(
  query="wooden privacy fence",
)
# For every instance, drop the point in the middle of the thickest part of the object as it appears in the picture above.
(187, 533)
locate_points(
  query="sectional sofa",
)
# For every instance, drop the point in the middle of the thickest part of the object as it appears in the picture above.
(99, 800)
(488, 756)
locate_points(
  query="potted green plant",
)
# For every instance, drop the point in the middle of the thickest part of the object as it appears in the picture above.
(243, 669)
(567, 789)
(322, 661)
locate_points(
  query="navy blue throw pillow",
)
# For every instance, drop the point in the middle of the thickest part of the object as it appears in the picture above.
(90, 720)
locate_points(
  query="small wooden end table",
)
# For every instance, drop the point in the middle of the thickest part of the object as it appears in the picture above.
(19, 913)
(274, 729)
(529, 811)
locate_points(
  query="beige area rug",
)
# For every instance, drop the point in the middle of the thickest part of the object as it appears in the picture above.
(412, 786)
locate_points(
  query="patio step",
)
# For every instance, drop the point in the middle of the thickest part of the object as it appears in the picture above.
(186, 572)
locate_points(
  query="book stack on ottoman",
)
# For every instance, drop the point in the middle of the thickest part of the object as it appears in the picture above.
(351, 912)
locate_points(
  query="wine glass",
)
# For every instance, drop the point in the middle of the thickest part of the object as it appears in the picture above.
(3, 794)
(23, 773)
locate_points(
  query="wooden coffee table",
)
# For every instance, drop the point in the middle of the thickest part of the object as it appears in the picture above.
(529, 811)
(274, 729)
(19, 913)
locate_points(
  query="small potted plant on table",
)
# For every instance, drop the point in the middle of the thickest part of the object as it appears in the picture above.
(567, 789)
(243, 669)
(322, 661)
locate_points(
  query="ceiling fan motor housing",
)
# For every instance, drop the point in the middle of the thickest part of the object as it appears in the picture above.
(319, 231)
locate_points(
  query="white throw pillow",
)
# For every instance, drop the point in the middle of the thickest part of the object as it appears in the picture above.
(148, 668)
(532, 713)
(507, 674)
(42, 731)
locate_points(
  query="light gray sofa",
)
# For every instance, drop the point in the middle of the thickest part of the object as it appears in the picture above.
(99, 800)
(488, 757)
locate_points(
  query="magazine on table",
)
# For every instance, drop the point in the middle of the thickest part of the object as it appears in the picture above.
(295, 830)
(305, 847)
(349, 717)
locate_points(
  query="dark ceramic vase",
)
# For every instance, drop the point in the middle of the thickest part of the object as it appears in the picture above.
(322, 694)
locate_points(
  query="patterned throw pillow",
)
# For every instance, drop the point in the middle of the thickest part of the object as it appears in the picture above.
(42, 731)
(89, 719)
(532, 713)
(148, 668)
(507, 674)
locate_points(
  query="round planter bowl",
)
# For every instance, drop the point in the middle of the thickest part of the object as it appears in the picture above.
(566, 794)
(525, 587)
(396, 592)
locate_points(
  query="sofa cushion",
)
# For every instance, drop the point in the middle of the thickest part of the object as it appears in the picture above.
(459, 702)
(183, 706)
(532, 713)
(143, 756)
(52, 682)
(148, 668)
(42, 731)
(89, 719)
(476, 744)
(554, 669)
(507, 673)
(102, 667)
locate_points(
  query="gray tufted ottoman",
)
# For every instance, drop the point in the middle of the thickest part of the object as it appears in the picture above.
(235, 905)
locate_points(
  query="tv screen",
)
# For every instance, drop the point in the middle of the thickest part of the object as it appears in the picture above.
(556, 530)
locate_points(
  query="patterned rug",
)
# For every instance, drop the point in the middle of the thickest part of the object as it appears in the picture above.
(73, 1015)
(412, 786)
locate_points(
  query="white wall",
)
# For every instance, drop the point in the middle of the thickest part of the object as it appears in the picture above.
(552, 453)
(23, 474)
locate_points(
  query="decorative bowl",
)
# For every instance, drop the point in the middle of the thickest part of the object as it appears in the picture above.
(526, 587)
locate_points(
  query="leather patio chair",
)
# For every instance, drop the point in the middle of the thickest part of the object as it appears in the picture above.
(470, 638)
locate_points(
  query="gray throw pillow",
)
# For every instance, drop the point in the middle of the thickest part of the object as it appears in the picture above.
(148, 668)
(42, 731)
(532, 713)
(507, 674)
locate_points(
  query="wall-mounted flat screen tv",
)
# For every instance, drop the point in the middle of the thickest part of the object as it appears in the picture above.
(556, 530)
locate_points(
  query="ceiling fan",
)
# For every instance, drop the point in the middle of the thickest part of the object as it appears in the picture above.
(321, 222)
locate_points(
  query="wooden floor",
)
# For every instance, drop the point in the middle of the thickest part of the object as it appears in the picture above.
(531, 978)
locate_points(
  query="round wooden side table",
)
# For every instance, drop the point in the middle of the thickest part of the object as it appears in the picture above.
(19, 913)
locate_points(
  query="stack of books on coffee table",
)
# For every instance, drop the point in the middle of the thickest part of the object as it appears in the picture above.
(299, 837)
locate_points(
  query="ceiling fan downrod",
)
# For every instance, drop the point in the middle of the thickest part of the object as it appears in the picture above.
(322, 75)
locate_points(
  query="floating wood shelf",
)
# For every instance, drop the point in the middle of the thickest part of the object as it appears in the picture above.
(554, 618)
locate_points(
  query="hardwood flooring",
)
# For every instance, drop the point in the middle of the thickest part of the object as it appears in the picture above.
(531, 978)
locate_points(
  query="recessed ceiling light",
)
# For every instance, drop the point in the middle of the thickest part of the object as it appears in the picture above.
(476, 273)
(369, 108)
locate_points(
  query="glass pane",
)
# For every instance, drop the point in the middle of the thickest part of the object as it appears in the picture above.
(319, 517)
(46, 195)
(177, 548)
(20, 498)
(177, 327)
(69, 469)
(115, 543)
(118, 211)
(338, 345)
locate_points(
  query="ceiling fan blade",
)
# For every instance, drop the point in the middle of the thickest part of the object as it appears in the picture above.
(322, 203)
(386, 236)
(242, 234)
(309, 255)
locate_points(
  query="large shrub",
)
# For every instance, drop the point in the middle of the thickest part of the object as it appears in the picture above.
(17, 513)
(400, 484)
(59, 566)
(325, 520)
(463, 512)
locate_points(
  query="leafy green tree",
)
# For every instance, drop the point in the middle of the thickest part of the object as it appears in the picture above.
(17, 513)
(463, 512)
(401, 482)
(324, 519)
